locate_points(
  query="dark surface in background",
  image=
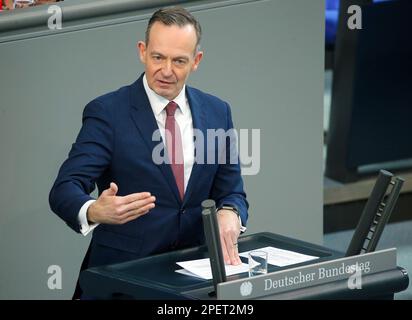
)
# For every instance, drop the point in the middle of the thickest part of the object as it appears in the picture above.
(382, 101)
(345, 216)
(371, 94)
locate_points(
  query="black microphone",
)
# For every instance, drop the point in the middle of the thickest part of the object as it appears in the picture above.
(211, 230)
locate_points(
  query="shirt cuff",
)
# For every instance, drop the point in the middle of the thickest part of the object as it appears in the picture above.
(242, 228)
(85, 227)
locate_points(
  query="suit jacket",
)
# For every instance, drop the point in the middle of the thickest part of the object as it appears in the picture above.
(115, 144)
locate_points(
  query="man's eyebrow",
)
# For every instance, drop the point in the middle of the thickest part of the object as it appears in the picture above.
(156, 53)
(181, 57)
(175, 58)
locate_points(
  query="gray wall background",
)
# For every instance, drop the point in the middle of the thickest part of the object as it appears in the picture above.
(264, 57)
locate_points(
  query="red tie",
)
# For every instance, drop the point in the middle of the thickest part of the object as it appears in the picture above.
(174, 147)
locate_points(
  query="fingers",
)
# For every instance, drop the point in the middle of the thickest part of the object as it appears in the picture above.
(132, 217)
(135, 196)
(231, 245)
(123, 200)
(229, 232)
(122, 209)
(111, 191)
(138, 209)
(236, 251)
(230, 249)
(113, 188)
(226, 257)
(135, 205)
(133, 214)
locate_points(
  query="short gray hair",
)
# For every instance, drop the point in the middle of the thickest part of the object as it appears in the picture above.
(174, 16)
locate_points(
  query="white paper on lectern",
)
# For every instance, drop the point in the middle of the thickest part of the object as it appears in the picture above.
(201, 268)
(187, 273)
(281, 257)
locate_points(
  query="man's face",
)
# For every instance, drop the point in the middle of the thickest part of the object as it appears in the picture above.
(169, 58)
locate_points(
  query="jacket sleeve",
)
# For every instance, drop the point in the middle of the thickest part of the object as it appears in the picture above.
(88, 158)
(227, 186)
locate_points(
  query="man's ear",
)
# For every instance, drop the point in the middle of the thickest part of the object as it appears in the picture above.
(141, 47)
(198, 58)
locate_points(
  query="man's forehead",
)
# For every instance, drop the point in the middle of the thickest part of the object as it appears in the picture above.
(160, 29)
(172, 39)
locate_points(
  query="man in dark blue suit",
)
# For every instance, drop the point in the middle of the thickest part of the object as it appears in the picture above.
(145, 206)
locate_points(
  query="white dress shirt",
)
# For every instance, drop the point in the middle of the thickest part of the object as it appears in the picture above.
(183, 117)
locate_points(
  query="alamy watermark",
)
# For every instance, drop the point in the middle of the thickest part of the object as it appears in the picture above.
(355, 20)
(216, 147)
(355, 280)
(55, 280)
(55, 20)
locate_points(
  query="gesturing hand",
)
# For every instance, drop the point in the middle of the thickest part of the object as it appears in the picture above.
(112, 209)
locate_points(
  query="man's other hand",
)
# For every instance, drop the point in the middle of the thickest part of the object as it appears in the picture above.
(112, 209)
(229, 228)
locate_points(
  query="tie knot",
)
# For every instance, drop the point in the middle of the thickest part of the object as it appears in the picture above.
(171, 108)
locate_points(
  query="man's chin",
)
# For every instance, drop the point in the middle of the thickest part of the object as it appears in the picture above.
(167, 94)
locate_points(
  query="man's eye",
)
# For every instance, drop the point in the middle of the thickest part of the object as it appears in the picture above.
(157, 58)
(180, 61)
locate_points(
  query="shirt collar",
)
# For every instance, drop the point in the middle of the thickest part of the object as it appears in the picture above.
(158, 103)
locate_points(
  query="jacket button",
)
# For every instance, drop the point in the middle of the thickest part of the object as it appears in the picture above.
(182, 211)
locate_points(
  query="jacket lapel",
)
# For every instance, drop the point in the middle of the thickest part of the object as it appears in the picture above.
(144, 119)
(199, 122)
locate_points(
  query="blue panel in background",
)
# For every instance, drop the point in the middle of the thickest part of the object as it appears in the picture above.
(331, 21)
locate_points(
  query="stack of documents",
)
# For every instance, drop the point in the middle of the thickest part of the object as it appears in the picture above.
(279, 257)
(201, 268)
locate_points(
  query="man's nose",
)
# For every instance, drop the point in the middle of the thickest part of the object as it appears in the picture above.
(167, 68)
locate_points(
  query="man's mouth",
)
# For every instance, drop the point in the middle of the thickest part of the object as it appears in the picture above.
(165, 82)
